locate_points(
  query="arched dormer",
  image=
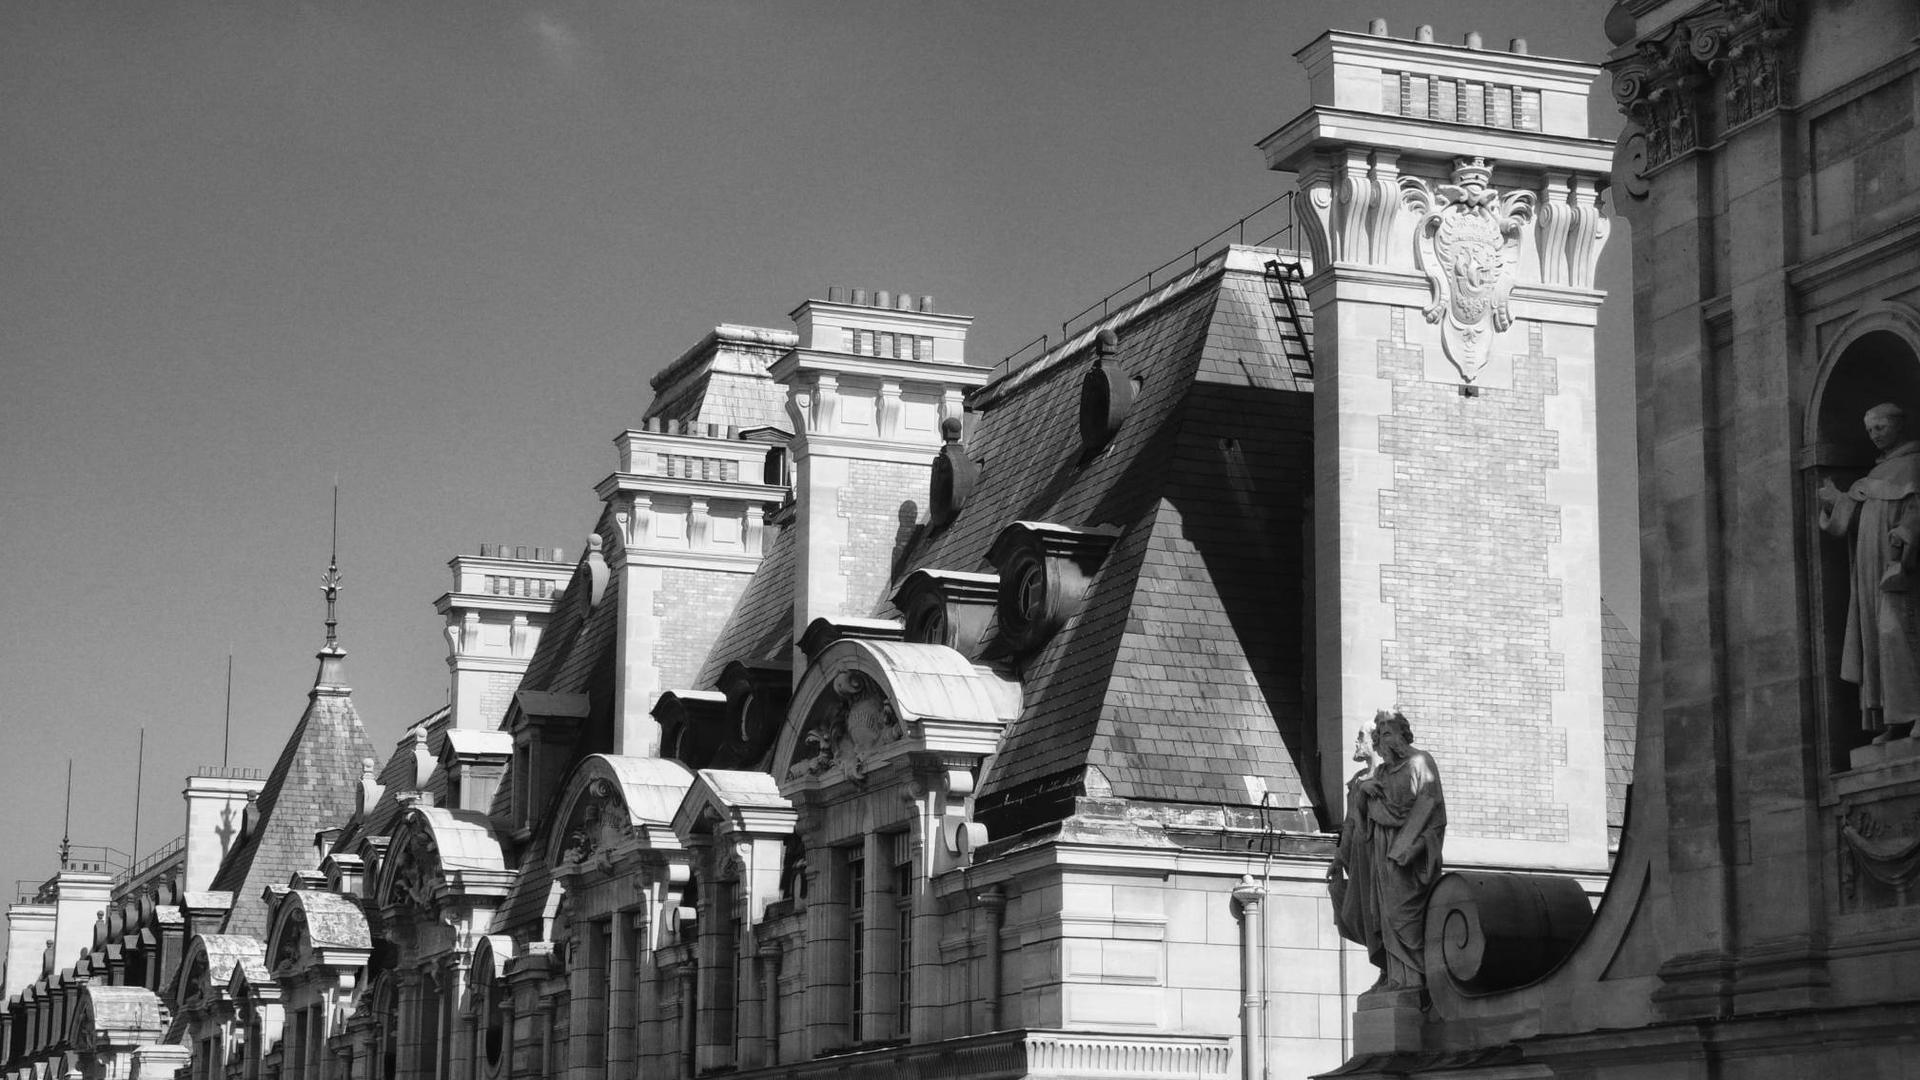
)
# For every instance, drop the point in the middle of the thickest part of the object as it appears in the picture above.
(863, 703)
(312, 929)
(613, 802)
(438, 858)
(206, 967)
(112, 1020)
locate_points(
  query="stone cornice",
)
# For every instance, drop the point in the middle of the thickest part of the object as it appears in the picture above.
(713, 490)
(908, 372)
(1322, 128)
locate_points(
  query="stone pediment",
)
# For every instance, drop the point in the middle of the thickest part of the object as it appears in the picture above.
(613, 802)
(863, 702)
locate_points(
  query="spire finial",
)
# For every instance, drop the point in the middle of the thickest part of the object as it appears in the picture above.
(330, 581)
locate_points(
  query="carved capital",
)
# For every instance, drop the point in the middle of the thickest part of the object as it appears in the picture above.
(1739, 51)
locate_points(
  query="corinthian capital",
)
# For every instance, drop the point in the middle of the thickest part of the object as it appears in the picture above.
(1738, 49)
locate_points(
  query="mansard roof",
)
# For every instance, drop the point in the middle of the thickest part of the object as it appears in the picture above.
(1183, 669)
(760, 626)
(722, 380)
(313, 786)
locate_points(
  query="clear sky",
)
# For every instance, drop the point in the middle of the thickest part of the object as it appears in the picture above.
(437, 249)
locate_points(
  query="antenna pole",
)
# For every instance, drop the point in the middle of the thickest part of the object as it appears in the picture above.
(226, 735)
(139, 774)
(66, 825)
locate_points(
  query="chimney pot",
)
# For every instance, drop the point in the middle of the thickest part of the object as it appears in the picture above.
(882, 299)
(926, 304)
(1518, 45)
(905, 302)
(1473, 39)
(1424, 33)
(860, 297)
(1378, 28)
(836, 294)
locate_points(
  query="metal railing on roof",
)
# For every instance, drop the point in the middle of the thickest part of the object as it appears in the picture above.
(154, 858)
(1279, 216)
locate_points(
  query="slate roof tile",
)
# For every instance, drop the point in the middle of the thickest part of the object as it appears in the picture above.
(313, 786)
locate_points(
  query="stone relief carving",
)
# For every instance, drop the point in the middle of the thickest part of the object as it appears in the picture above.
(414, 874)
(1468, 242)
(1883, 849)
(854, 721)
(1880, 514)
(1389, 853)
(599, 821)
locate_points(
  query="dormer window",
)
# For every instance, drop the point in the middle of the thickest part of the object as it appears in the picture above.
(1045, 570)
(948, 607)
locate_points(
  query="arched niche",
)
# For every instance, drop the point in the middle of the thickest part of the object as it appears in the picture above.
(1873, 358)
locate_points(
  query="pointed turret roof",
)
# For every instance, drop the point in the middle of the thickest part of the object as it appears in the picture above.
(312, 787)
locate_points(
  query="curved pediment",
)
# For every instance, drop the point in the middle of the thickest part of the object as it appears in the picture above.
(437, 854)
(209, 963)
(116, 1016)
(611, 800)
(864, 701)
(309, 926)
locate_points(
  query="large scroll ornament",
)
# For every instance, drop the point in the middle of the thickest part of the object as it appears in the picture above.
(1468, 243)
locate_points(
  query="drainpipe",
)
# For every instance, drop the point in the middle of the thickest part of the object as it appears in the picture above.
(1248, 897)
(993, 908)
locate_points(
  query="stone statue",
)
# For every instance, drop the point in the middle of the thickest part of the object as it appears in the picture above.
(1389, 853)
(1881, 512)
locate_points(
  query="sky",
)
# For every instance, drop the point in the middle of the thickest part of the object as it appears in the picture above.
(436, 249)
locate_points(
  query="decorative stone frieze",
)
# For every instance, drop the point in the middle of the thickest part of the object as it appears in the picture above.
(1738, 50)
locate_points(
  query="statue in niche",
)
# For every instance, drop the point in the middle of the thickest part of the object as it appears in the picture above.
(1389, 853)
(1881, 512)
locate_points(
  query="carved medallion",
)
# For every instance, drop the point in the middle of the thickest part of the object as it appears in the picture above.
(1468, 243)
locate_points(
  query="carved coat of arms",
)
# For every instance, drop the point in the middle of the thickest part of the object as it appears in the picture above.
(1468, 242)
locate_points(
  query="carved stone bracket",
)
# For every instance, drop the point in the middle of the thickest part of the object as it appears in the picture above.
(1740, 50)
(1352, 207)
(1879, 854)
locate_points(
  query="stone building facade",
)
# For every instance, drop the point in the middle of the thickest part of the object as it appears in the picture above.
(906, 717)
(1760, 921)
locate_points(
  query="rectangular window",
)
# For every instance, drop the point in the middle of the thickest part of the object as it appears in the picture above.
(903, 915)
(857, 939)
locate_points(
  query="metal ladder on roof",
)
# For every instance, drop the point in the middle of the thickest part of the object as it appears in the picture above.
(1287, 292)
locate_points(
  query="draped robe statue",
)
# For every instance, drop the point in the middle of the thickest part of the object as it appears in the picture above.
(1389, 853)
(1881, 513)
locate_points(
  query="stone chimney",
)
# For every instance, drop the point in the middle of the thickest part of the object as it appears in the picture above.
(1451, 196)
(216, 802)
(29, 928)
(495, 614)
(688, 509)
(868, 386)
